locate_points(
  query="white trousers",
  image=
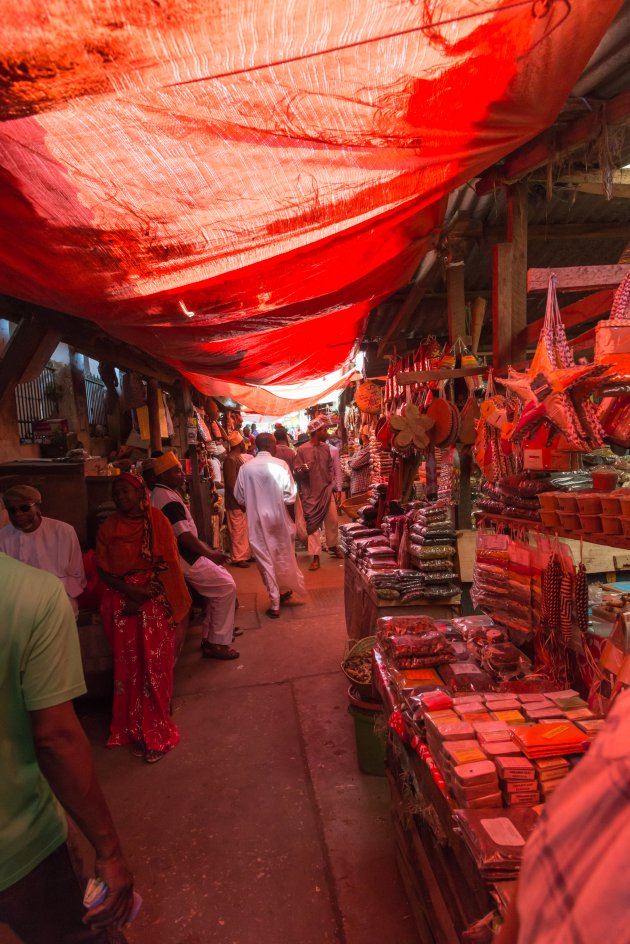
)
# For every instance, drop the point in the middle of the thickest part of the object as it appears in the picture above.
(331, 530)
(217, 586)
(237, 529)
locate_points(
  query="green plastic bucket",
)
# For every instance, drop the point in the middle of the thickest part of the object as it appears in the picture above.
(370, 743)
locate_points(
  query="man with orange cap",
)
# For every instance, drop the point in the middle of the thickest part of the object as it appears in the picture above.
(201, 565)
(235, 516)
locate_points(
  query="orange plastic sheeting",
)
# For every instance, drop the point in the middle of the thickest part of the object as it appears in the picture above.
(276, 400)
(215, 181)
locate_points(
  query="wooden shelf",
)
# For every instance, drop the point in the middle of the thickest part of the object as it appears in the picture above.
(607, 540)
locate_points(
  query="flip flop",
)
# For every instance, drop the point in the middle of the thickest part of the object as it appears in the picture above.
(138, 750)
(214, 651)
(237, 632)
(286, 596)
(152, 757)
(314, 565)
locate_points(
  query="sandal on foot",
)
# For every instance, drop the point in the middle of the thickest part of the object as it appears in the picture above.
(237, 632)
(286, 596)
(272, 614)
(314, 565)
(138, 750)
(215, 651)
(152, 757)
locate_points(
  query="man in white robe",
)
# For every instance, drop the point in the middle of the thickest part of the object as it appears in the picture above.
(265, 487)
(41, 542)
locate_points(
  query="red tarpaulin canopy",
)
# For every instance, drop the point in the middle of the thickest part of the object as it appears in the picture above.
(232, 186)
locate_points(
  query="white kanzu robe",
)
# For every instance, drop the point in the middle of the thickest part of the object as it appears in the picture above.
(265, 487)
(54, 547)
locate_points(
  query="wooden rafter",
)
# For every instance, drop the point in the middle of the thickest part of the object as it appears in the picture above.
(577, 278)
(554, 146)
(586, 309)
(88, 338)
(410, 305)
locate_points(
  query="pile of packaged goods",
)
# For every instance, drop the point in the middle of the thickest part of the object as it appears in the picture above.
(493, 746)
(411, 556)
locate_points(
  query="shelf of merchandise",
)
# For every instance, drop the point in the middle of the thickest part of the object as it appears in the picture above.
(607, 540)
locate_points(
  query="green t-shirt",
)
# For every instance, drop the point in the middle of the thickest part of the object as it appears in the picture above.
(40, 666)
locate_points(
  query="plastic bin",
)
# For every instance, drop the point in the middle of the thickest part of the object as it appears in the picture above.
(370, 743)
(589, 503)
(612, 525)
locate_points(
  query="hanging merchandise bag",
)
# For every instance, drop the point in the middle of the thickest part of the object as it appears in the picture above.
(612, 336)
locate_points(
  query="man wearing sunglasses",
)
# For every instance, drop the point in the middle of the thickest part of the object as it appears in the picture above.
(42, 542)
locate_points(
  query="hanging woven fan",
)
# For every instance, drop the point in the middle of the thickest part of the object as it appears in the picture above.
(442, 415)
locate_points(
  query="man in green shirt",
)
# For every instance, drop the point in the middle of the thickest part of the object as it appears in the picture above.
(45, 764)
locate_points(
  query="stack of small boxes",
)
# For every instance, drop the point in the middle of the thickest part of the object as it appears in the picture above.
(518, 781)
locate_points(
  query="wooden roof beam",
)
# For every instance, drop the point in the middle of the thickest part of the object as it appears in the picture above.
(410, 305)
(88, 338)
(26, 354)
(577, 278)
(553, 146)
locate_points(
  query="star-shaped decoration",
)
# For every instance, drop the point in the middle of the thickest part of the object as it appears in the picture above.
(554, 392)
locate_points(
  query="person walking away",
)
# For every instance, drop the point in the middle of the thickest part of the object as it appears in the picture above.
(315, 471)
(46, 765)
(44, 543)
(283, 449)
(201, 565)
(265, 487)
(138, 561)
(235, 515)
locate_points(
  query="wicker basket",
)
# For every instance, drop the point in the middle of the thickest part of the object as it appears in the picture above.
(362, 647)
(351, 506)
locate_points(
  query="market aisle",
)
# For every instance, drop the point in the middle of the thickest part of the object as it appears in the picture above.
(259, 828)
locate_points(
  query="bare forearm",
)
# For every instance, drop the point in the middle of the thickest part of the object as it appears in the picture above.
(66, 762)
(510, 927)
(189, 542)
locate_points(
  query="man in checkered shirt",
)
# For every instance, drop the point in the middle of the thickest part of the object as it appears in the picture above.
(573, 886)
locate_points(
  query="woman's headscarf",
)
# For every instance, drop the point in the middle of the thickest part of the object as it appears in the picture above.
(146, 548)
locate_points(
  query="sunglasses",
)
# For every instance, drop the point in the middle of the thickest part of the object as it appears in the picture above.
(13, 509)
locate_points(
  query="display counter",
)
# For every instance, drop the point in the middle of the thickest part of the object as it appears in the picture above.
(450, 899)
(363, 607)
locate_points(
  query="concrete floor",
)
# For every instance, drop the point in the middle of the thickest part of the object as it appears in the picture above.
(259, 827)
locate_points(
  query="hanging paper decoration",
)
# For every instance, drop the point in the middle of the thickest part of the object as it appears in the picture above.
(554, 390)
(492, 453)
(411, 429)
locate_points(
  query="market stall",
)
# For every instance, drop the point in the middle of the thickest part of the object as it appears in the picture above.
(487, 714)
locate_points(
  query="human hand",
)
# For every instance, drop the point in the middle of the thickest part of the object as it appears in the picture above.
(119, 901)
(138, 595)
(217, 557)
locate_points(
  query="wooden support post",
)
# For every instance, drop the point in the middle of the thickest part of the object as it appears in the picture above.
(517, 237)
(24, 357)
(153, 404)
(502, 296)
(456, 301)
(77, 376)
(198, 501)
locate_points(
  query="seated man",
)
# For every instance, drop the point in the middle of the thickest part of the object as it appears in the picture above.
(201, 566)
(42, 542)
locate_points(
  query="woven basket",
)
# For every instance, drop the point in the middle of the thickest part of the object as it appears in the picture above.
(351, 505)
(362, 647)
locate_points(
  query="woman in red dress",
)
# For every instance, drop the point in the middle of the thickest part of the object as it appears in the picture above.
(146, 596)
